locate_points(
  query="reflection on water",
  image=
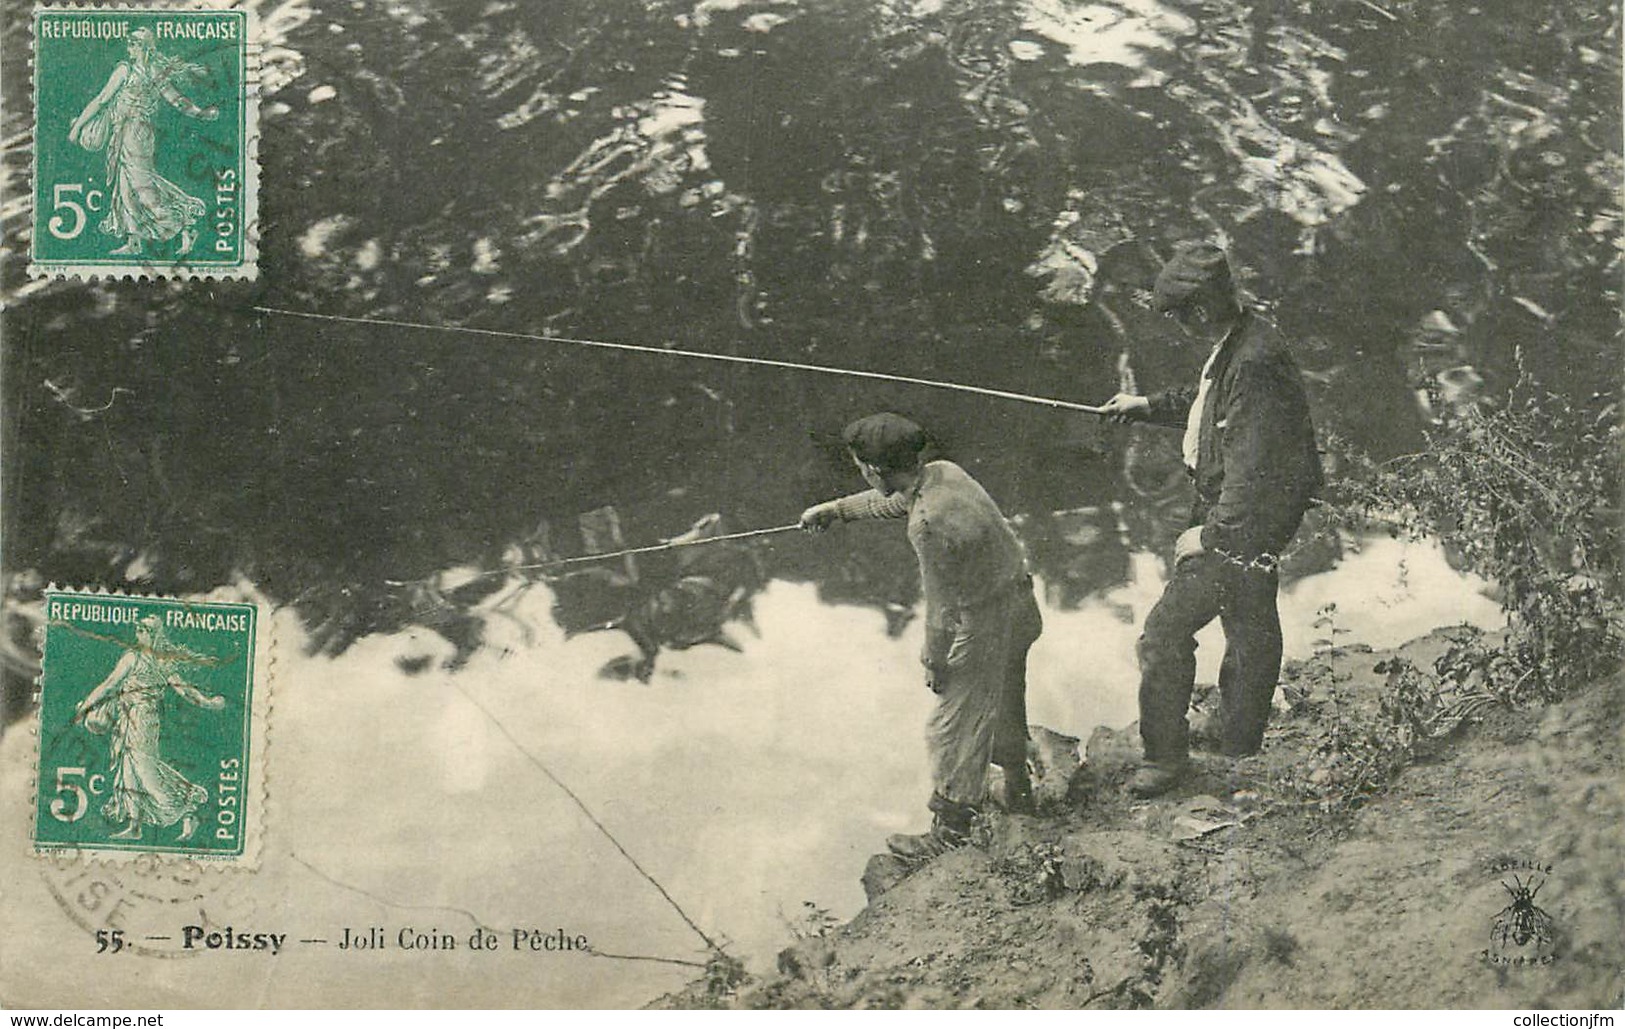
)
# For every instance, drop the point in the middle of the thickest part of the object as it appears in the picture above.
(748, 783)
(1119, 34)
(666, 601)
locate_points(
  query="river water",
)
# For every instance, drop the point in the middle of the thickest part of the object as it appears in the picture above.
(1424, 197)
(752, 785)
(749, 784)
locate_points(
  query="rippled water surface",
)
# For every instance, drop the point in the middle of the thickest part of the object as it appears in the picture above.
(1423, 196)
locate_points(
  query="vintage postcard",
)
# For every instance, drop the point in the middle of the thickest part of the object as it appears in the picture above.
(827, 504)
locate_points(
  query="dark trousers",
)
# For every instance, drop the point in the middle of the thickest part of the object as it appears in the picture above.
(1010, 738)
(1243, 599)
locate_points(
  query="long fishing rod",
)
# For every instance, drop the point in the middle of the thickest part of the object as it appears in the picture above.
(673, 544)
(702, 355)
(652, 548)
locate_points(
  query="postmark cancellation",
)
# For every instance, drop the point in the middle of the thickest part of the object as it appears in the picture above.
(152, 727)
(145, 142)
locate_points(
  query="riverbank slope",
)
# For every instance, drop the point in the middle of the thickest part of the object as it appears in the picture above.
(1383, 852)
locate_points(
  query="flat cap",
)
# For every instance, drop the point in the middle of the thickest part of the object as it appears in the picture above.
(1196, 267)
(887, 440)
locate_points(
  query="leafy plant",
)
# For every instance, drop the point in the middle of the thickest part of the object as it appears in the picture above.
(724, 974)
(1482, 671)
(1357, 751)
(1358, 757)
(1525, 495)
(1160, 943)
(1032, 873)
(1326, 621)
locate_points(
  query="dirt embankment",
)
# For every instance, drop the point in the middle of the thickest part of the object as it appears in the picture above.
(1482, 867)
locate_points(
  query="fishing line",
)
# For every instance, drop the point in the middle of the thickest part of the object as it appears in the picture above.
(651, 549)
(669, 544)
(600, 826)
(611, 555)
(318, 873)
(702, 355)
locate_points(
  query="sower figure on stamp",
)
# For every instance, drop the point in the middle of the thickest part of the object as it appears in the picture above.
(1249, 446)
(980, 620)
(142, 205)
(127, 707)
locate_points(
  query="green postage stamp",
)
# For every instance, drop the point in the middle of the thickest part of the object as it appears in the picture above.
(151, 731)
(145, 142)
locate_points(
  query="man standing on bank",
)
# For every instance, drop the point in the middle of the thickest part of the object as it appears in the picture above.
(1249, 446)
(980, 620)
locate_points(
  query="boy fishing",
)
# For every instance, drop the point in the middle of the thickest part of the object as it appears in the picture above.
(980, 619)
(1249, 445)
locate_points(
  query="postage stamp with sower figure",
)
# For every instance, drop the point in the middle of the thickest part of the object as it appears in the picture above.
(151, 726)
(145, 135)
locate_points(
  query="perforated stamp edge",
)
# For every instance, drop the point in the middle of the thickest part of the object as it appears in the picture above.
(247, 267)
(255, 783)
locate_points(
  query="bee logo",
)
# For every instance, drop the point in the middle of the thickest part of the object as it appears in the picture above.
(1521, 922)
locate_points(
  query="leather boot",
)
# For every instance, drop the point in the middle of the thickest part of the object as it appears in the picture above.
(1018, 791)
(950, 829)
(952, 814)
(1157, 777)
(915, 850)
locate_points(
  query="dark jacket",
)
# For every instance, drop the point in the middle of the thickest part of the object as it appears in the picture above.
(1257, 466)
